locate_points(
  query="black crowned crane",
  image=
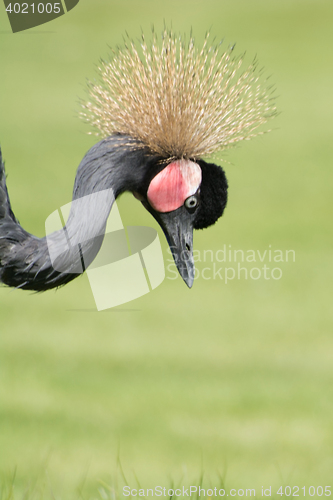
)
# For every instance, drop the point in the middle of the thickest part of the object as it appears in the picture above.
(160, 108)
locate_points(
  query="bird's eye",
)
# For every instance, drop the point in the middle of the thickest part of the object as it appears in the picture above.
(191, 202)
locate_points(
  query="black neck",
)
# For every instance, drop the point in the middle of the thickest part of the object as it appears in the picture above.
(112, 166)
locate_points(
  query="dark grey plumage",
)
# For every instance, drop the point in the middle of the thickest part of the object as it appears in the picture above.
(114, 165)
(24, 259)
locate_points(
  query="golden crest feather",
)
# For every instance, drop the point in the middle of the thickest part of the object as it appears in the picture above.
(177, 100)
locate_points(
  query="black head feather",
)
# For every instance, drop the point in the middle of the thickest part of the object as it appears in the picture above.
(213, 195)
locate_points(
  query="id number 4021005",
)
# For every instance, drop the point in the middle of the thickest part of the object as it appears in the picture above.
(34, 8)
(297, 491)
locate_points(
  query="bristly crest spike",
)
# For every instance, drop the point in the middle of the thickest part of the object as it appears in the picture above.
(178, 100)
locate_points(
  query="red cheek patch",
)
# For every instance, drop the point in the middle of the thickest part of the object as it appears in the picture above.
(169, 189)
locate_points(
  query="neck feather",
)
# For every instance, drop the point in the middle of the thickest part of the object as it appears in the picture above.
(111, 167)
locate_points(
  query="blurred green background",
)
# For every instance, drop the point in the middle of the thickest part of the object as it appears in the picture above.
(233, 378)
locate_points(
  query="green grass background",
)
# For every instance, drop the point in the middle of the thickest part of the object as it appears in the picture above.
(234, 378)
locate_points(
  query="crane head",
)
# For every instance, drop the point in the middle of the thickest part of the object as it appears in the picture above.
(183, 196)
(180, 103)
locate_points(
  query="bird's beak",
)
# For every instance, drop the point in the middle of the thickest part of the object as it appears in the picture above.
(178, 229)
